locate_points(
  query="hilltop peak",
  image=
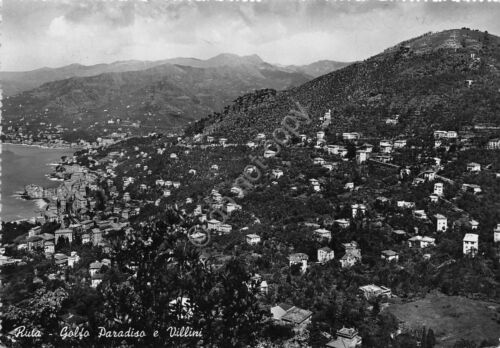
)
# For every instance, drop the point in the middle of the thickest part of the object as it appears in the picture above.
(463, 38)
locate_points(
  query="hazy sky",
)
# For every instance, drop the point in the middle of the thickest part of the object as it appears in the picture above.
(60, 32)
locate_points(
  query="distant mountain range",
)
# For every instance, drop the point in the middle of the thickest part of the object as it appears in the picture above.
(14, 82)
(164, 94)
(447, 80)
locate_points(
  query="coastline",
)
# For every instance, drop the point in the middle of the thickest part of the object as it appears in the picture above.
(13, 190)
(43, 146)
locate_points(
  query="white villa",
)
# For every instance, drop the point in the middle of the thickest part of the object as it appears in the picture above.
(252, 239)
(471, 244)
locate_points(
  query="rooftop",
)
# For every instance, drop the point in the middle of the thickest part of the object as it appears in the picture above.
(389, 252)
(296, 315)
(95, 265)
(285, 306)
(347, 332)
(298, 257)
(471, 237)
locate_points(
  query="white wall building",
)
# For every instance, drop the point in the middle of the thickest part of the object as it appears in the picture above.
(496, 234)
(252, 239)
(325, 254)
(441, 223)
(471, 244)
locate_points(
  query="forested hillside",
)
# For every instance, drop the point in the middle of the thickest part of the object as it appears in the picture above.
(449, 79)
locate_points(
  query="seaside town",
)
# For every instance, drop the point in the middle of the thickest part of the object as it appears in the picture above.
(255, 174)
(358, 229)
(57, 136)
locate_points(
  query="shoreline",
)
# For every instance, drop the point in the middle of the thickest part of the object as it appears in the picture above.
(36, 202)
(43, 146)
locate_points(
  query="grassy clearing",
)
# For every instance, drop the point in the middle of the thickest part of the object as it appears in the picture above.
(452, 318)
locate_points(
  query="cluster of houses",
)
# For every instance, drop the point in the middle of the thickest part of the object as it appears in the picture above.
(89, 231)
(71, 201)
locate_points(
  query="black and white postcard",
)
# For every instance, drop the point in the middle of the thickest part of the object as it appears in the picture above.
(250, 174)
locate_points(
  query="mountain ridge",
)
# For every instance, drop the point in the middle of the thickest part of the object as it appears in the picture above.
(163, 96)
(421, 79)
(14, 82)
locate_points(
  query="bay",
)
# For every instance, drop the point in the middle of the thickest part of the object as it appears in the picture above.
(22, 165)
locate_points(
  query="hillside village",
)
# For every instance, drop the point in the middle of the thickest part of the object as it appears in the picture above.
(311, 243)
